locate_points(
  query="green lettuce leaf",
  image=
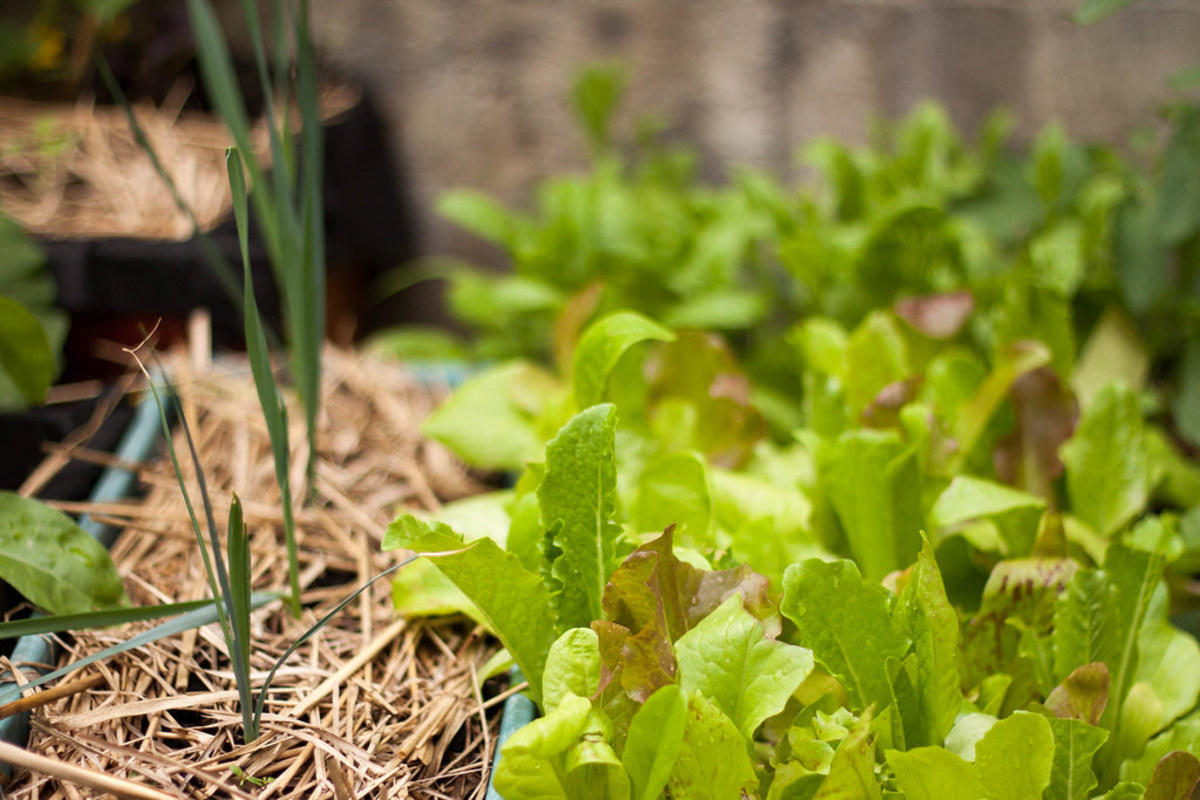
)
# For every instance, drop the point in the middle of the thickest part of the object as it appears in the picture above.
(1015, 758)
(926, 773)
(845, 622)
(578, 500)
(531, 761)
(514, 601)
(1075, 744)
(53, 562)
(729, 659)
(1106, 461)
(713, 763)
(654, 741)
(572, 667)
(602, 346)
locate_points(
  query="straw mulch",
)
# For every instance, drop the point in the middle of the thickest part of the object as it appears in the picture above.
(373, 706)
(76, 171)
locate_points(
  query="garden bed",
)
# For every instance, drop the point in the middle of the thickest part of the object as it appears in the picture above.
(371, 705)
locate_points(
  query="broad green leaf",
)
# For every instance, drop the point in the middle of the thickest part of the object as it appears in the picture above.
(421, 590)
(514, 601)
(488, 421)
(968, 498)
(1168, 675)
(654, 741)
(876, 356)
(1086, 626)
(844, 620)
(53, 562)
(1075, 744)
(925, 612)
(1015, 757)
(727, 309)
(25, 354)
(479, 214)
(1106, 462)
(729, 659)
(1125, 790)
(873, 482)
(824, 345)
(967, 732)
(927, 773)
(1113, 352)
(572, 667)
(578, 501)
(1143, 261)
(531, 761)
(1137, 577)
(602, 346)
(673, 490)
(852, 771)
(713, 763)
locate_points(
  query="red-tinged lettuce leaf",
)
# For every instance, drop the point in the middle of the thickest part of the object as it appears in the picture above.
(714, 761)
(873, 482)
(602, 346)
(1015, 758)
(884, 409)
(924, 611)
(1025, 592)
(652, 581)
(654, 742)
(729, 659)
(1046, 414)
(1082, 695)
(852, 771)
(648, 660)
(938, 316)
(845, 622)
(512, 600)
(1175, 777)
(1107, 464)
(700, 399)
(926, 773)
(1075, 745)
(578, 501)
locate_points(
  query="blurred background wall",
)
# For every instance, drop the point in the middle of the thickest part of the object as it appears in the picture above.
(475, 93)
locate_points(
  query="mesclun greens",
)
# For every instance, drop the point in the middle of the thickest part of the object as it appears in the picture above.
(933, 537)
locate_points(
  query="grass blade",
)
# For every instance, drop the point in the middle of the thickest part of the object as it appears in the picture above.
(239, 612)
(59, 623)
(273, 408)
(206, 615)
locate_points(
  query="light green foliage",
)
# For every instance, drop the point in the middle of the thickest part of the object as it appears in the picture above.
(1106, 462)
(532, 760)
(674, 490)
(491, 421)
(52, 562)
(601, 348)
(873, 482)
(514, 601)
(572, 667)
(729, 659)
(844, 620)
(1075, 744)
(1023, 739)
(654, 741)
(578, 501)
(927, 773)
(713, 763)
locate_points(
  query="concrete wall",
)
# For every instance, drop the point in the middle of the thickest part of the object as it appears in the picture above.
(475, 91)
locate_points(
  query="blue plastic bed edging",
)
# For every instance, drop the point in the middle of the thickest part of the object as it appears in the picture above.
(115, 483)
(518, 712)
